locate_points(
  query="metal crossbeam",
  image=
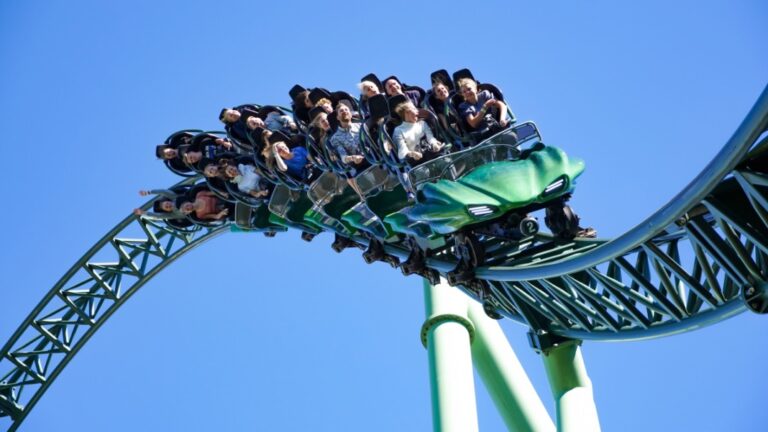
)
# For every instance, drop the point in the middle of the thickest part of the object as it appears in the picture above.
(79, 304)
(699, 259)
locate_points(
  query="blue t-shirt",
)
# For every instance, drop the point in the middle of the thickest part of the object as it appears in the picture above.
(297, 163)
(466, 109)
(211, 150)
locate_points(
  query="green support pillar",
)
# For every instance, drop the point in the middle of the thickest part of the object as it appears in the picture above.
(447, 333)
(512, 392)
(571, 388)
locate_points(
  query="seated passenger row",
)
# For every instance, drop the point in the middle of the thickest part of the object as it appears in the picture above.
(263, 141)
(330, 120)
(333, 133)
(317, 114)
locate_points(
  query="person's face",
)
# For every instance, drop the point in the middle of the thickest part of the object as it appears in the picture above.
(211, 171)
(170, 153)
(370, 89)
(469, 92)
(410, 113)
(327, 107)
(166, 206)
(231, 171)
(307, 102)
(187, 208)
(393, 87)
(282, 150)
(344, 114)
(193, 157)
(441, 92)
(323, 122)
(231, 116)
(255, 122)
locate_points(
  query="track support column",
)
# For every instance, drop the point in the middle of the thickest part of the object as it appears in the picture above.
(447, 333)
(571, 387)
(512, 392)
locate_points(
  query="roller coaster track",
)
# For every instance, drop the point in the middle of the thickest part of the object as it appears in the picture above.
(700, 259)
(81, 301)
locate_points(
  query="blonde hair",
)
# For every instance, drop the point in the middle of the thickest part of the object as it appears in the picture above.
(277, 160)
(469, 82)
(268, 157)
(362, 84)
(316, 121)
(323, 101)
(266, 151)
(271, 158)
(402, 107)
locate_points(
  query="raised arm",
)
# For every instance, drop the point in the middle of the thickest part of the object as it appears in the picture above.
(279, 160)
(502, 113)
(160, 192)
(476, 119)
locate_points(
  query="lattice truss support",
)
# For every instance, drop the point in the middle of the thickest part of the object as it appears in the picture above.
(699, 259)
(709, 265)
(85, 297)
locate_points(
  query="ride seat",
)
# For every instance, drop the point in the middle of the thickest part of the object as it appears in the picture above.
(179, 141)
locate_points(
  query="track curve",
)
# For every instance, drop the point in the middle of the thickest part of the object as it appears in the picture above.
(701, 258)
(81, 302)
(724, 163)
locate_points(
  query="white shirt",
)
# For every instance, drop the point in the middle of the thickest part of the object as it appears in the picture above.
(407, 137)
(276, 121)
(248, 180)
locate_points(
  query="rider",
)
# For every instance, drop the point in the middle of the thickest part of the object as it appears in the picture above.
(320, 125)
(206, 206)
(481, 112)
(235, 121)
(245, 177)
(300, 103)
(275, 119)
(438, 97)
(283, 154)
(205, 146)
(346, 140)
(394, 87)
(369, 87)
(413, 137)
(163, 208)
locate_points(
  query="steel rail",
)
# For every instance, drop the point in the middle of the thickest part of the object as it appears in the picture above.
(71, 312)
(636, 286)
(745, 136)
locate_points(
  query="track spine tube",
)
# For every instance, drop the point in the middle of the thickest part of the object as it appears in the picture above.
(571, 388)
(737, 147)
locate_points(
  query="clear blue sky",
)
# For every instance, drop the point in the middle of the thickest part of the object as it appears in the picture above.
(256, 334)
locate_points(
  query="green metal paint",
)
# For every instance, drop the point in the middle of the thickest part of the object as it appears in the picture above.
(442, 206)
